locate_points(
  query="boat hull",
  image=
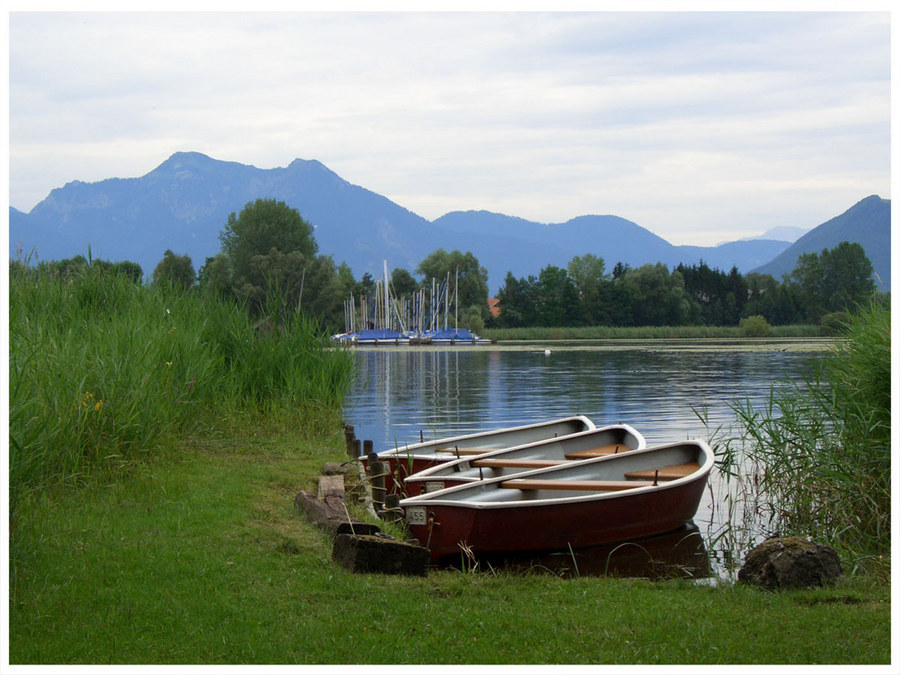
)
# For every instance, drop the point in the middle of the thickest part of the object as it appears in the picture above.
(585, 503)
(559, 527)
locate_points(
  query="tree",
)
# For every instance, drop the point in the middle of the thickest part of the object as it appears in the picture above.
(588, 273)
(837, 280)
(518, 302)
(657, 297)
(558, 298)
(463, 269)
(270, 248)
(174, 270)
(215, 275)
(403, 283)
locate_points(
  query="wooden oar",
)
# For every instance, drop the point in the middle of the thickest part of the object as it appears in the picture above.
(671, 472)
(500, 463)
(466, 451)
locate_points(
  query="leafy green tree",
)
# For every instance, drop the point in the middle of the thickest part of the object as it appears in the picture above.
(215, 275)
(837, 280)
(403, 283)
(558, 303)
(129, 269)
(270, 248)
(657, 296)
(518, 302)
(174, 270)
(464, 269)
(588, 273)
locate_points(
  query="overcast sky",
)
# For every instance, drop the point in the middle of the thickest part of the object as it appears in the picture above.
(702, 127)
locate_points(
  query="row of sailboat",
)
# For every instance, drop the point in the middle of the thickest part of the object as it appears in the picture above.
(420, 318)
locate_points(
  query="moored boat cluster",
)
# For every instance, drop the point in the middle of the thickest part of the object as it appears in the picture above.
(552, 485)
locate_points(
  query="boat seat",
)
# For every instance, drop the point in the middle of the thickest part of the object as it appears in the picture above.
(466, 451)
(671, 472)
(562, 484)
(500, 463)
(599, 451)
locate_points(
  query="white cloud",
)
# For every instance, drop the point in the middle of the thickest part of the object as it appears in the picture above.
(691, 124)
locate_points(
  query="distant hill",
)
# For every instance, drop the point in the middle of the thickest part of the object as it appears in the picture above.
(184, 203)
(868, 222)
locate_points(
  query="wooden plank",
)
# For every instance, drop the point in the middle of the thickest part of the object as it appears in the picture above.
(490, 462)
(671, 472)
(611, 449)
(560, 484)
(466, 451)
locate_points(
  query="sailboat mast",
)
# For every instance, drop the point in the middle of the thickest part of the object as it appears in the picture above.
(387, 300)
(456, 317)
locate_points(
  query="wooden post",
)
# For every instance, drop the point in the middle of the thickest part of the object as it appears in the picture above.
(378, 491)
(349, 437)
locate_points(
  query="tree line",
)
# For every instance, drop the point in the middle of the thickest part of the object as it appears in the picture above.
(269, 262)
(584, 294)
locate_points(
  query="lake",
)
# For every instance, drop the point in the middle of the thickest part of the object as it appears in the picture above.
(405, 393)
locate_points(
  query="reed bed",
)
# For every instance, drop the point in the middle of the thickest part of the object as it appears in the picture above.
(104, 371)
(815, 459)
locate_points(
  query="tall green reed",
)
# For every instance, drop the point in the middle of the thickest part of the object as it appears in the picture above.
(103, 371)
(814, 460)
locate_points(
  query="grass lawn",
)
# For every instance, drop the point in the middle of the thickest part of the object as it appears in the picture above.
(200, 557)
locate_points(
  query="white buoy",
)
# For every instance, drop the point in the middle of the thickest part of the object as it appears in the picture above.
(546, 352)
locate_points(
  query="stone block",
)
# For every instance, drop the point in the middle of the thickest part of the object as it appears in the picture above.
(379, 554)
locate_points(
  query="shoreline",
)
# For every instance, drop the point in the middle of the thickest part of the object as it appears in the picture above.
(805, 344)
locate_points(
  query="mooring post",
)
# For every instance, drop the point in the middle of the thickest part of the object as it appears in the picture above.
(377, 471)
(378, 491)
(392, 511)
(349, 438)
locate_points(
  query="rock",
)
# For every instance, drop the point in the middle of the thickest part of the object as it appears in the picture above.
(332, 469)
(331, 517)
(330, 487)
(790, 562)
(379, 554)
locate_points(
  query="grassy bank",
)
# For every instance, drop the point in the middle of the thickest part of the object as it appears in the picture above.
(202, 558)
(643, 332)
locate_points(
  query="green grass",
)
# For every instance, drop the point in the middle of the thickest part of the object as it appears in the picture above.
(103, 372)
(200, 557)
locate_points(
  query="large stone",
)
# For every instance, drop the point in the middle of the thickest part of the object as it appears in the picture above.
(378, 554)
(331, 515)
(790, 562)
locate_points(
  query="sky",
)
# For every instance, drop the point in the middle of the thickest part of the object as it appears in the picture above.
(700, 126)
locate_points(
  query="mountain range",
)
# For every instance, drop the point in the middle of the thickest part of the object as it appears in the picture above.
(183, 205)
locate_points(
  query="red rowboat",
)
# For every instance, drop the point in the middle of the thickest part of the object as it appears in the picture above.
(583, 503)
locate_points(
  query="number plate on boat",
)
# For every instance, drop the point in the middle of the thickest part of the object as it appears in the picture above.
(433, 485)
(415, 515)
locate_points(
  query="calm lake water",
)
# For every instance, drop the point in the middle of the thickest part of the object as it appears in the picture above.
(657, 387)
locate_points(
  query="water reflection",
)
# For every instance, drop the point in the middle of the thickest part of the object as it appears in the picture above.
(403, 395)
